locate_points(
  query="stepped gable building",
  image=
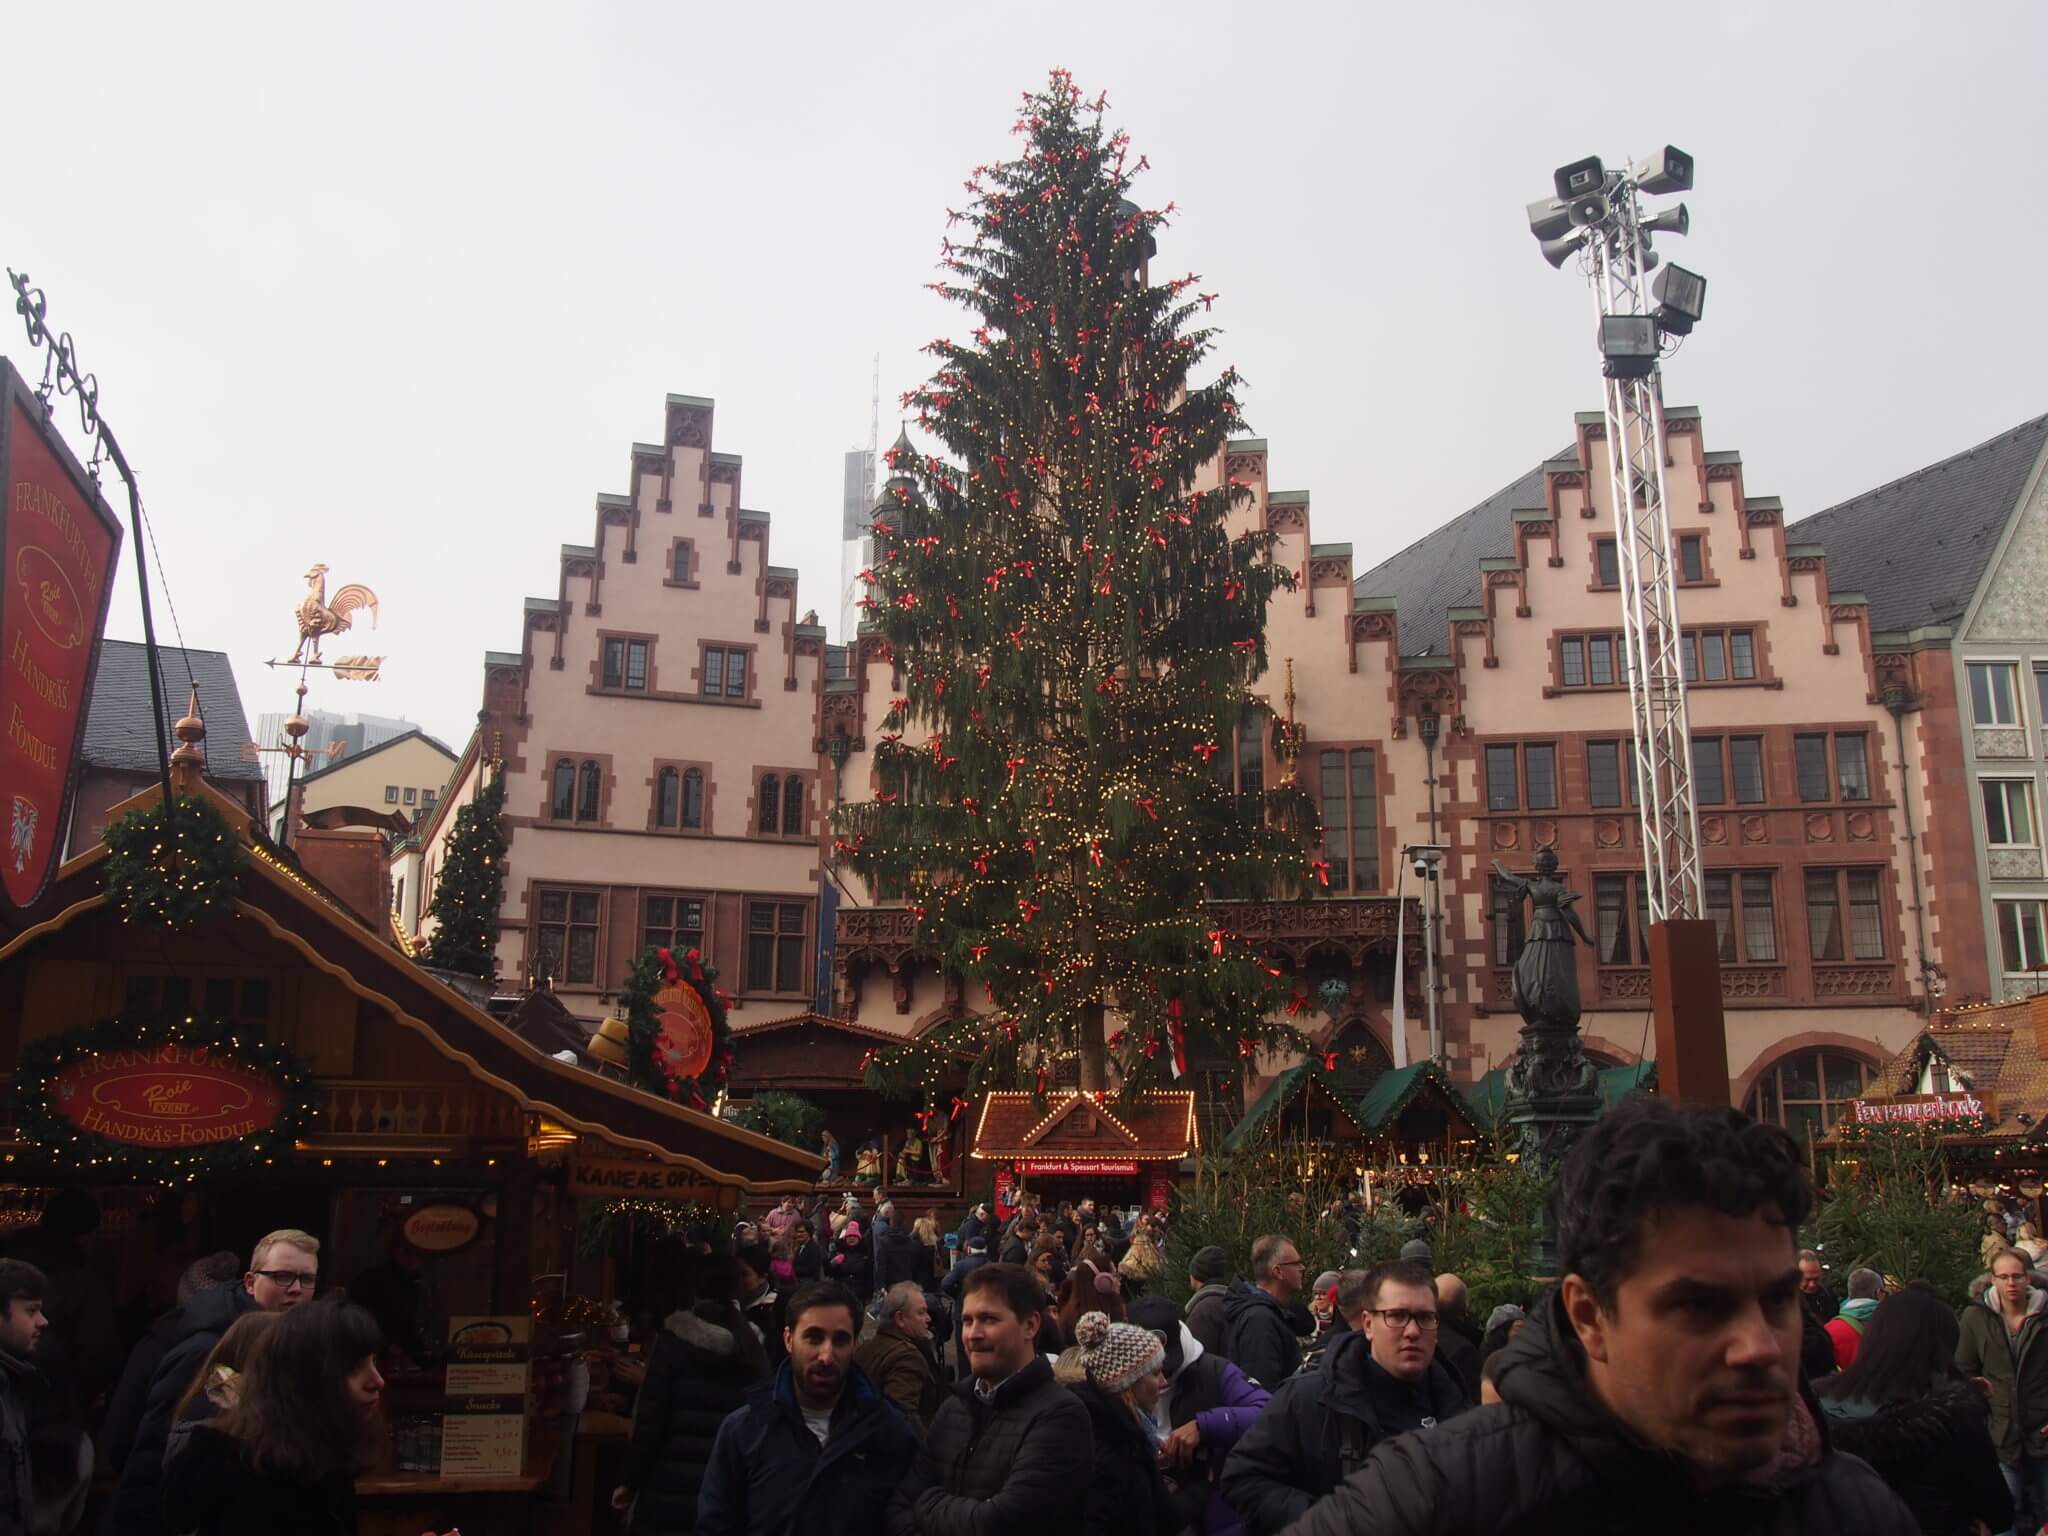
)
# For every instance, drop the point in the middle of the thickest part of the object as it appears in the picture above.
(1954, 562)
(656, 728)
(1813, 802)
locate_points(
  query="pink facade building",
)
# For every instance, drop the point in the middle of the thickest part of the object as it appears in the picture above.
(656, 733)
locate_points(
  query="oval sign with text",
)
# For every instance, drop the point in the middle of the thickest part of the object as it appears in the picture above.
(441, 1228)
(166, 1096)
(682, 1044)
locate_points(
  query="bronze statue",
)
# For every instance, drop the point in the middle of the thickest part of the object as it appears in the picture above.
(1553, 1090)
(1547, 970)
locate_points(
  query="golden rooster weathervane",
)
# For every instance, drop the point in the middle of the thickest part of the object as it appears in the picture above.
(318, 616)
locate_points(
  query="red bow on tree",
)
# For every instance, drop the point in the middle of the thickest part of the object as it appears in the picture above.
(1329, 1061)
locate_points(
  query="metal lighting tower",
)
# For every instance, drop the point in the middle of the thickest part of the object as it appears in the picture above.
(1598, 214)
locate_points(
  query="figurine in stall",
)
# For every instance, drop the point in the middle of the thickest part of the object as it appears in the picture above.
(867, 1163)
(910, 1158)
(938, 1149)
(828, 1148)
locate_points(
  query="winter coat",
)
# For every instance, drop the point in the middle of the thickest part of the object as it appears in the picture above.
(768, 1475)
(695, 1378)
(949, 1287)
(1460, 1356)
(764, 1315)
(137, 1506)
(853, 1266)
(906, 1371)
(1935, 1452)
(211, 1490)
(807, 1261)
(1205, 1318)
(1127, 1494)
(2016, 1365)
(131, 1393)
(1319, 1428)
(1223, 1404)
(901, 1256)
(1845, 1333)
(1550, 1457)
(1015, 1465)
(18, 1390)
(1260, 1337)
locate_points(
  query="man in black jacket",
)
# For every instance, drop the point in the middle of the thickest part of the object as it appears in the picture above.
(818, 1450)
(1379, 1378)
(1657, 1387)
(22, 1321)
(1258, 1318)
(1009, 1453)
(284, 1271)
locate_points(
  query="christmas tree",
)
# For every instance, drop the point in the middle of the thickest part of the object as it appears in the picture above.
(1074, 629)
(472, 883)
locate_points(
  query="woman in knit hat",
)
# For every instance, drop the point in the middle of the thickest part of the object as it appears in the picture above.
(1127, 1493)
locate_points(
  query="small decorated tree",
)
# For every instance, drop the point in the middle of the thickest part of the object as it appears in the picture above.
(1076, 628)
(472, 884)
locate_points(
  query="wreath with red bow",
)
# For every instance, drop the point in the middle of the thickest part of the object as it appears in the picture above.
(649, 1064)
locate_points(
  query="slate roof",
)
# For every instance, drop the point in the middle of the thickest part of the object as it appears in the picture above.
(349, 759)
(1917, 548)
(118, 733)
(1992, 1049)
(1440, 571)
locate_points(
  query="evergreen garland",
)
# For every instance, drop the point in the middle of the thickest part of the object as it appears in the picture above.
(176, 881)
(67, 1144)
(1077, 612)
(470, 887)
(654, 970)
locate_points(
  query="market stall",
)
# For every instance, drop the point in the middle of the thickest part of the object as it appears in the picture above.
(1078, 1145)
(215, 1046)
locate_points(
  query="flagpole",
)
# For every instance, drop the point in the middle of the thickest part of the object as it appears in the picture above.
(1400, 967)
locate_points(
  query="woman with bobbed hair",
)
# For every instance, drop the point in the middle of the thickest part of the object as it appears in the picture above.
(284, 1455)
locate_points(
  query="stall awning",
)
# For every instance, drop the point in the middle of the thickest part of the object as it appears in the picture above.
(1084, 1133)
(1299, 1086)
(1392, 1093)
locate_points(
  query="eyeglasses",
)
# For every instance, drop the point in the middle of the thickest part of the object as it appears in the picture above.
(1398, 1319)
(1292, 1264)
(290, 1279)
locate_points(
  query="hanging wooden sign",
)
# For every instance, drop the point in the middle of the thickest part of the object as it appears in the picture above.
(682, 1043)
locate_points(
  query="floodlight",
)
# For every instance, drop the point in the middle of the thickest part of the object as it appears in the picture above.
(1549, 218)
(1681, 298)
(1555, 251)
(1579, 178)
(1672, 221)
(1629, 345)
(1669, 170)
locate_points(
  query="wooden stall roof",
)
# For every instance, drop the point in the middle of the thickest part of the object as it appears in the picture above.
(1300, 1083)
(1156, 1127)
(1997, 1049)
(295, 911)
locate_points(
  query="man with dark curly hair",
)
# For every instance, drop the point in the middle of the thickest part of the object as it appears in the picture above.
(1657, 1388)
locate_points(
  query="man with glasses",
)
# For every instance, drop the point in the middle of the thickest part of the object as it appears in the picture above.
(1379, 1378)
(283, 1272)
(1259, 1333)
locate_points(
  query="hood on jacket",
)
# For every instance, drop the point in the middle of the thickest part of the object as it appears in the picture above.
(1249, 1298)
(1213, 1288)
(700, 1336)
(211, 1310)
(2037, 1298)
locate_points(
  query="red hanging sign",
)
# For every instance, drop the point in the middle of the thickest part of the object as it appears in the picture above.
(56, 566)
(166, 1096)
(683, 1039)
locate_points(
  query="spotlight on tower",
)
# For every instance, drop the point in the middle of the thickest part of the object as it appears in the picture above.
(1628, 343)
(1672, 221)
(1669, 170)
(1681, 298)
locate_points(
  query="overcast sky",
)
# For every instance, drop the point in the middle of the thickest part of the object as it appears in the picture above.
(394, 287)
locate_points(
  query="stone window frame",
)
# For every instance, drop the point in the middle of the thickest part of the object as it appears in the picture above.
(544, 815)
(2012, 665)
(808, 957)
(571, 888)
(683, 767)
(666, 893)
(724, 696)
(811, 809)
(1353, 885)
(681, 546)
(650, 684)
(2025, 781)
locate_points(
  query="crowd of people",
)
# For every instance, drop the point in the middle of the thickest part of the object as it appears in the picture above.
(1691, 1371)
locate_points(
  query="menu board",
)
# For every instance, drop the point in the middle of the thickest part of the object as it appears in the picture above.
(483, 1433)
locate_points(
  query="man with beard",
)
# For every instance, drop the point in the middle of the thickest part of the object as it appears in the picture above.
(819, 1449)
(1657, 1387)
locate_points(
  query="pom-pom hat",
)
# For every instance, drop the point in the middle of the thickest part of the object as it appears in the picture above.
(1117, 1356)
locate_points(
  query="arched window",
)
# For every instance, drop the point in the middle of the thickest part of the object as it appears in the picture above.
(1251, 751)
(793, 806)
(587, 793)
(667, 791)
(1360, 1061)
(769, 804)
(562, 800)
(693, 797)
(1807, 1091)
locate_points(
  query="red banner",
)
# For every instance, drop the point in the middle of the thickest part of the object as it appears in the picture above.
(166, 1096)
(56, 566)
